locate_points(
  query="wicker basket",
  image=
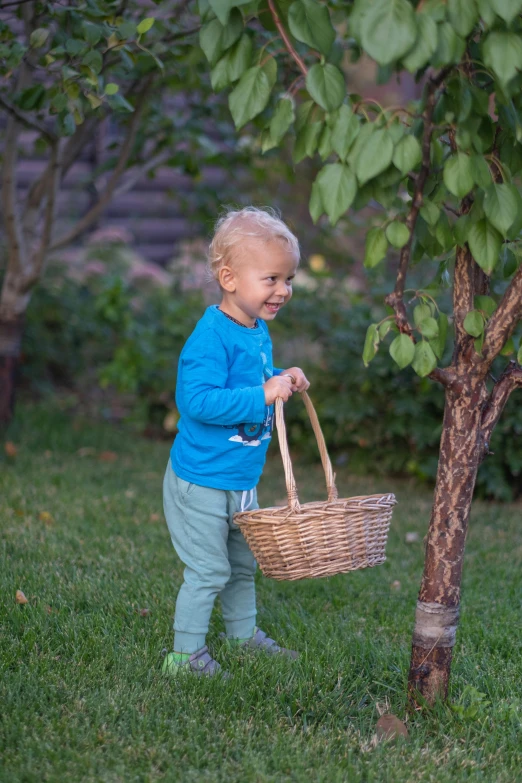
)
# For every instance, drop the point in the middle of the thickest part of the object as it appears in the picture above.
(316, 539)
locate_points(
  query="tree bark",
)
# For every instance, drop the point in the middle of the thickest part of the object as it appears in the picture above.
(461, 451)
(10, 349)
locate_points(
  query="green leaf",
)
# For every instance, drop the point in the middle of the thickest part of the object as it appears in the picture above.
(438, 343)
(458, 175)
(215, 39)
(375, 156)
(461, 229)
(388, 30)
(94, 101)
(480, 171)
(219, 78)
(371, 344)
(519, 354)
(397, 234)
(486, 12)
(402, 350)
(310, 23)
(375, 248)
(270, 70)
(485, 303)
(111, 88)
(502, 205)
(430, 212)
(421, 312)
(509, 347)
(307, 140)
(282, 119)
(502, 52)
(239, 58)
(425, 44)
(384, 328)
(145, 25)
(326, 85)
(324, 147)
(32, 98)
(484, 242)
(429, 328)
(407, 154)
(222, 8)
(119, 103)
(424, 360)
(92, 33)
(316, 204)
(345, 130)
(443, 233)
(250, 96)
(507, 9)
(337, 186)
(450, 46)
(474, 323)
(93, 60)
(463, 15)
(39, 37)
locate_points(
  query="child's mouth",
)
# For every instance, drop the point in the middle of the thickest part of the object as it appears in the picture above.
(273, 306)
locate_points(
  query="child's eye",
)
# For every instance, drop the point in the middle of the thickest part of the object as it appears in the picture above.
(272, 279)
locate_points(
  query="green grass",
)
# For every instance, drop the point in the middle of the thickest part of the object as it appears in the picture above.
(82, 698)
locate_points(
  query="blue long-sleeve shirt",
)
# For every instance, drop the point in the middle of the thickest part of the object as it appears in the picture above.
(224, 427)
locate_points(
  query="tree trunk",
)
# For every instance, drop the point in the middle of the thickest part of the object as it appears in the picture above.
(10, 348)
(437, 612)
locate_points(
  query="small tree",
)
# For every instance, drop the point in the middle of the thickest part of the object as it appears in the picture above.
(66, 68)
(441, 174)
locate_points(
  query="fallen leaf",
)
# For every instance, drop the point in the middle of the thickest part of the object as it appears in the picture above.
(108, 456)
(395, 585)
(48, 454)
(412, 538)
(48, 609)
(86, 451)
(154, 518)
(20, 598)
(10, 449)
(44, 516)
(390, 727)
(129, 493)
(143, 612)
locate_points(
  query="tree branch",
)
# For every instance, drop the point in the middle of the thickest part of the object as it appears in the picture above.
(395, 299)
(136, 173)
(504, 320)
(282, 32)
(123, 158)
(71, 150)
(38, 260)
(27, 121)
(508, 381)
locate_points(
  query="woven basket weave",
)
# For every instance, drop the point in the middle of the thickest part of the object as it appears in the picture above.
(316, 539)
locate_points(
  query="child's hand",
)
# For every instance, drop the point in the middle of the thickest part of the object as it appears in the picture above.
(278, 386)
(300, 382)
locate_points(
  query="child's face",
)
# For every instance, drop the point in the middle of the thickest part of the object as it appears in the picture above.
(259, 282)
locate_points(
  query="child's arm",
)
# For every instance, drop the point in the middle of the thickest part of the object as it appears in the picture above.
(202, 386)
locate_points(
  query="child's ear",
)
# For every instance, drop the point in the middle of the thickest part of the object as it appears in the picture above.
(227, 279)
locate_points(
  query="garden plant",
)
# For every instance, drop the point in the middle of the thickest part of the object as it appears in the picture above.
(67, 70)
(441, 178)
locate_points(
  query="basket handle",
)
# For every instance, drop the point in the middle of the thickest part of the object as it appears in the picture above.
(291, 488)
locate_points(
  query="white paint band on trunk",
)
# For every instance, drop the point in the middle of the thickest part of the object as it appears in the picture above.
(435, 625)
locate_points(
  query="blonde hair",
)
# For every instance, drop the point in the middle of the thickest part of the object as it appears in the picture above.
(237, 225)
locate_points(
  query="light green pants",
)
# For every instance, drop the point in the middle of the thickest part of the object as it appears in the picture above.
(216, 557)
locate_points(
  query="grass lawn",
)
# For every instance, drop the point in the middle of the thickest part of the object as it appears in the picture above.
(82, 697)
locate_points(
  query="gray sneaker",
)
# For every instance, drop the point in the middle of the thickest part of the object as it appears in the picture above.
(199, 663)
(260, 641)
